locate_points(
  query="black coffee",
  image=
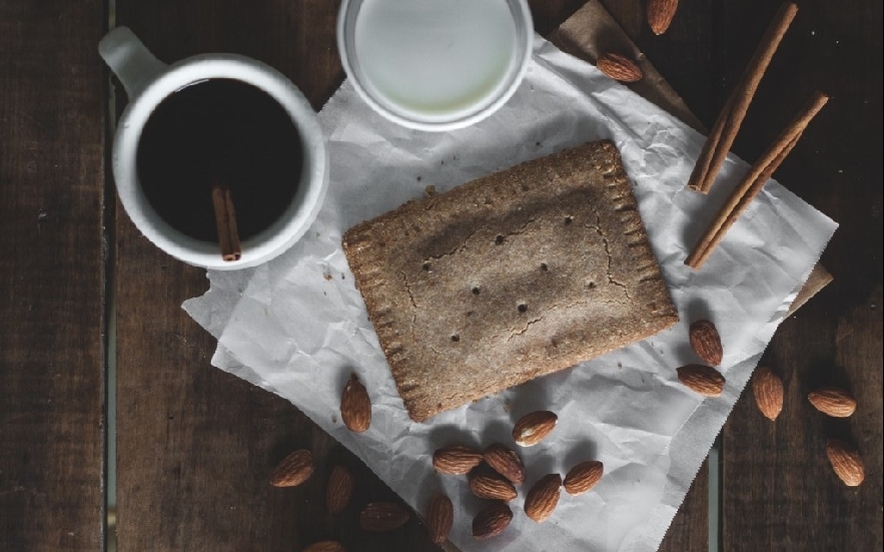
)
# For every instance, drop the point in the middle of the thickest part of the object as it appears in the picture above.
(219, 132)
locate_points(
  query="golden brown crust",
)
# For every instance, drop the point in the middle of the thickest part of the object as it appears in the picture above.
(518, 274)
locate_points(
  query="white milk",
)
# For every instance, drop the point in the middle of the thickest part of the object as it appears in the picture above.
(435, 57)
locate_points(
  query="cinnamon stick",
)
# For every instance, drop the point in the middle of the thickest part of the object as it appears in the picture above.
(225, 220)
(754, 181)
(724, 132)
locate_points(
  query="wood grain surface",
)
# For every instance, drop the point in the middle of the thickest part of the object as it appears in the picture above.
(196, 446)
(779, 491)
(52, 285)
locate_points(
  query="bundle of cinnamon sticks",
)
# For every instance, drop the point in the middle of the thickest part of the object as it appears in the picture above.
(724, 132)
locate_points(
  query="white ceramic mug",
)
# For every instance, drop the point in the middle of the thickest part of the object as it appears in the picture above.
(148, 82)
(434, 65)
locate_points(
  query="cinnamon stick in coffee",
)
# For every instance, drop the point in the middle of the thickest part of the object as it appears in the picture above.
(225, 219)
(724, 132)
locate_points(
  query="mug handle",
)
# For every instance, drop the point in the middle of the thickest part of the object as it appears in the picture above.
(129, 59)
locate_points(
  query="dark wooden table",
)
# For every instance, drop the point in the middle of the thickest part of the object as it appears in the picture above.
(82, 291)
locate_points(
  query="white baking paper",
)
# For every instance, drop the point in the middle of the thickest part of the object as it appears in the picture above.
(297, 326)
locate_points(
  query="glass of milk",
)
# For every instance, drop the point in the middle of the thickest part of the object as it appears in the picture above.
(435, 65)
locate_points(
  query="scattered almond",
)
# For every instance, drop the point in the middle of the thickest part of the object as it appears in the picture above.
(492, 520)
(339, 490)
(543, 497)
(705, 380)
(379, 517)
(325, 546)
(583, 477)
(660, 14)
(440, 518)
(619, 67)
(456, 459)
(768, 390)
(534, 427)
(706, 342)
(293, 470)
(506, 462)
(356, 406)
(833, 401)
(493, 486)
(846, 462)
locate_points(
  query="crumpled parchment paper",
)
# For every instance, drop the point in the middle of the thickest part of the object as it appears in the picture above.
(297, 326)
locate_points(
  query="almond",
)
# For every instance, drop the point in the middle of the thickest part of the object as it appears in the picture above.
(706, 342)
(705, 380)
(660, 14)
(456, 459)
(492, 520)
(506, 462)
(619, 67)
(492, 486)
(846, 462)
(440, 518)
(833, 401)
(339, 490)
(356, 406)
(768, 390)
(533, 427)
(543, 497)
(583, 477)
(325, 546)
(379, 517)
(293, 470)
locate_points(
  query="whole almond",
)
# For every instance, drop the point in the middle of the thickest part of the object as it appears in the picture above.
(356, 406)
(379, 517)
(833, 401)
(768, 390)
(339, 490)
(293, 470)
(706, 342)
(440, 517)
(506, 462)
(660, 14)
(543, 497)
(619, 67)
(534, 427)
(456, 459)
(493, 486)
(846, 462)
(705, 380)
(325, 546)
(583, 477)
(492, 520)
